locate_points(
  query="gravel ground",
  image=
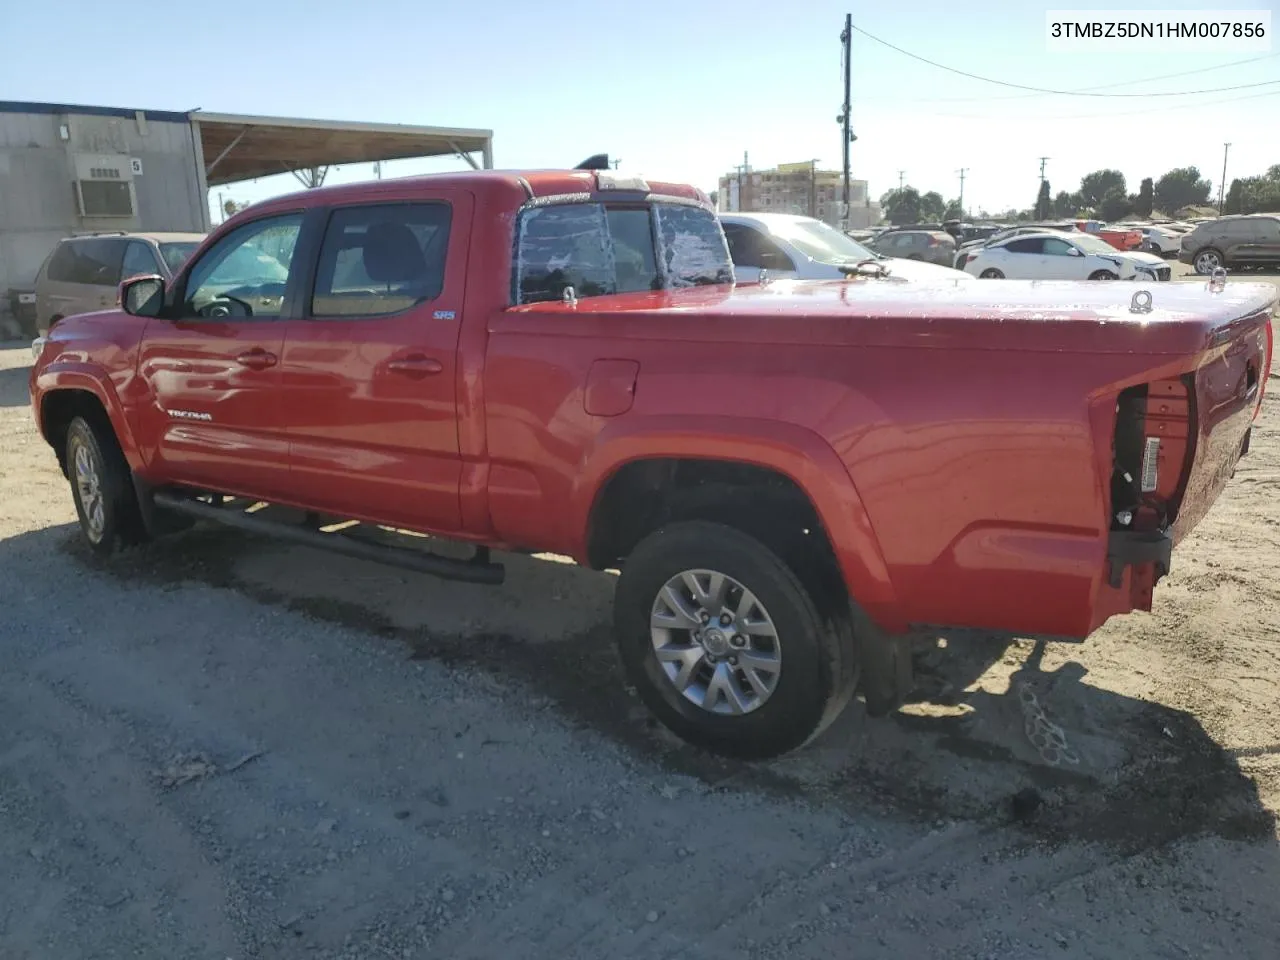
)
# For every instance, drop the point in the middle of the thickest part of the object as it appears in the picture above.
(219, 748)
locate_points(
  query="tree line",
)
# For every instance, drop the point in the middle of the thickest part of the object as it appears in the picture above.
(1103, 194)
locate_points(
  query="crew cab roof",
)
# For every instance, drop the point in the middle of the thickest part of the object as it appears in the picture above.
(490, 185)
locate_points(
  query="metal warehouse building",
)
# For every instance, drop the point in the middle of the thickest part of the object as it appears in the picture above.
(68, 170)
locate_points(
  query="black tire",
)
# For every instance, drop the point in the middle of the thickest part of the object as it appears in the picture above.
(1103, 275)
(991, 273)
(818, 660)
(119, 523)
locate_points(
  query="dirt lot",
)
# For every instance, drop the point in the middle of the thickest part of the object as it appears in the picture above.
(223, 748)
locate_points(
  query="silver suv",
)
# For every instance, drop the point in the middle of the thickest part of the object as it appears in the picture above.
(1250, 240)
(83, 273)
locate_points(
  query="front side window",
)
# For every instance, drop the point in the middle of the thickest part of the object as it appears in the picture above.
(1027, 245)
(599, 250)
(245, 273)
(1058, 248)
(176, 252)
(138, 259)
(380, 260)
(750, 247)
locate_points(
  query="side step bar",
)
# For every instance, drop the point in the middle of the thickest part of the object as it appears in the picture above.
(478, 570)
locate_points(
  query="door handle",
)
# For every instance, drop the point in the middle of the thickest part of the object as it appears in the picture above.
(256, 359)
(415, 366)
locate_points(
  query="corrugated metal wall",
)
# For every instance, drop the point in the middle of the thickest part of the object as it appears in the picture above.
(37, 195)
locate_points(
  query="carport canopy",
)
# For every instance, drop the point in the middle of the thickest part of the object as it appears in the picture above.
(240, 147)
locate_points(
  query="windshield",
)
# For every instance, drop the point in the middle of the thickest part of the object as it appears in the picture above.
(821, 241)
(1091, 244)
(175, 254)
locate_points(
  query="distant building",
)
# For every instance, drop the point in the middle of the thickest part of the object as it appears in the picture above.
(799, 188)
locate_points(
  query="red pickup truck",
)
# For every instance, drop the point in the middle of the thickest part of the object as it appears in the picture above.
(793, 478)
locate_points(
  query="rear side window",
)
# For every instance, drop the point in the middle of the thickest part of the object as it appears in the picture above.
(93, 261)
(379, 260)
(599, 250)
(62, 264)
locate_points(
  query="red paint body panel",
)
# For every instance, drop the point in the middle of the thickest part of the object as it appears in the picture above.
(956, 441)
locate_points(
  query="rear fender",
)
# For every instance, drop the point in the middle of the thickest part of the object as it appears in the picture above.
(793, 451)
(90, 379)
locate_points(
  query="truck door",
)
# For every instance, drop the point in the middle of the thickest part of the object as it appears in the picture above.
(213, 366)
(369, 372)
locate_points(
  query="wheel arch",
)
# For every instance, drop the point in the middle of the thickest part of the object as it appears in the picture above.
(63, 394)
(794, 453)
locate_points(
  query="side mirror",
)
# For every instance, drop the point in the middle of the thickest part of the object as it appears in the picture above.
(143, 296)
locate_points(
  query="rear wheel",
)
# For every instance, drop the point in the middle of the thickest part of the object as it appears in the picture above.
(1103, 275)
(725, 645)
(102, 487)
(991, 273)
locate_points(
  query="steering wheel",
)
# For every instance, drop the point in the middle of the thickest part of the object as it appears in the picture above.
(226, 306)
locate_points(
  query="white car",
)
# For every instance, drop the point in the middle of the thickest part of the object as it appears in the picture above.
(1064, 256)
(790, 247)
(1156, 238)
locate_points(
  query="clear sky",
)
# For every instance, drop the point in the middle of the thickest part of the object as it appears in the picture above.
(677, 90)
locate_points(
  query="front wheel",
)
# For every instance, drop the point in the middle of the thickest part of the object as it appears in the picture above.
(102, 488)
(991, 273)
(725, 645)
(1103, 275)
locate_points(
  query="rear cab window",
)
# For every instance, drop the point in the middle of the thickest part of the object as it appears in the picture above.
(94, 261)
(600, 248)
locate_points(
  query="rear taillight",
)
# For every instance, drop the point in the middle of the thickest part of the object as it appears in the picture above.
(1152, 454)
(1269, 349)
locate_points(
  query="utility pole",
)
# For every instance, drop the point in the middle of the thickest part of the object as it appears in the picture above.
(616, 163)
(1043, 161)
(846, 40)
(813, 188)
(742, 172)
(902, 176)
(962, 171)
(1222, 187)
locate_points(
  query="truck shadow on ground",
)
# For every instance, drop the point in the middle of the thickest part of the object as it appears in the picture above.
(990, 736)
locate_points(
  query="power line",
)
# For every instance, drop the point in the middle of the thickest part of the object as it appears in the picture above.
(1101, 86)
(1073, 93)
(1097, 116)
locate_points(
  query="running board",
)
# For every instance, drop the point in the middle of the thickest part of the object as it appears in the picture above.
(477, 570)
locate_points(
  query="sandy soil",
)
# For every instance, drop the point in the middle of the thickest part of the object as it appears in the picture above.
(223, 748)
